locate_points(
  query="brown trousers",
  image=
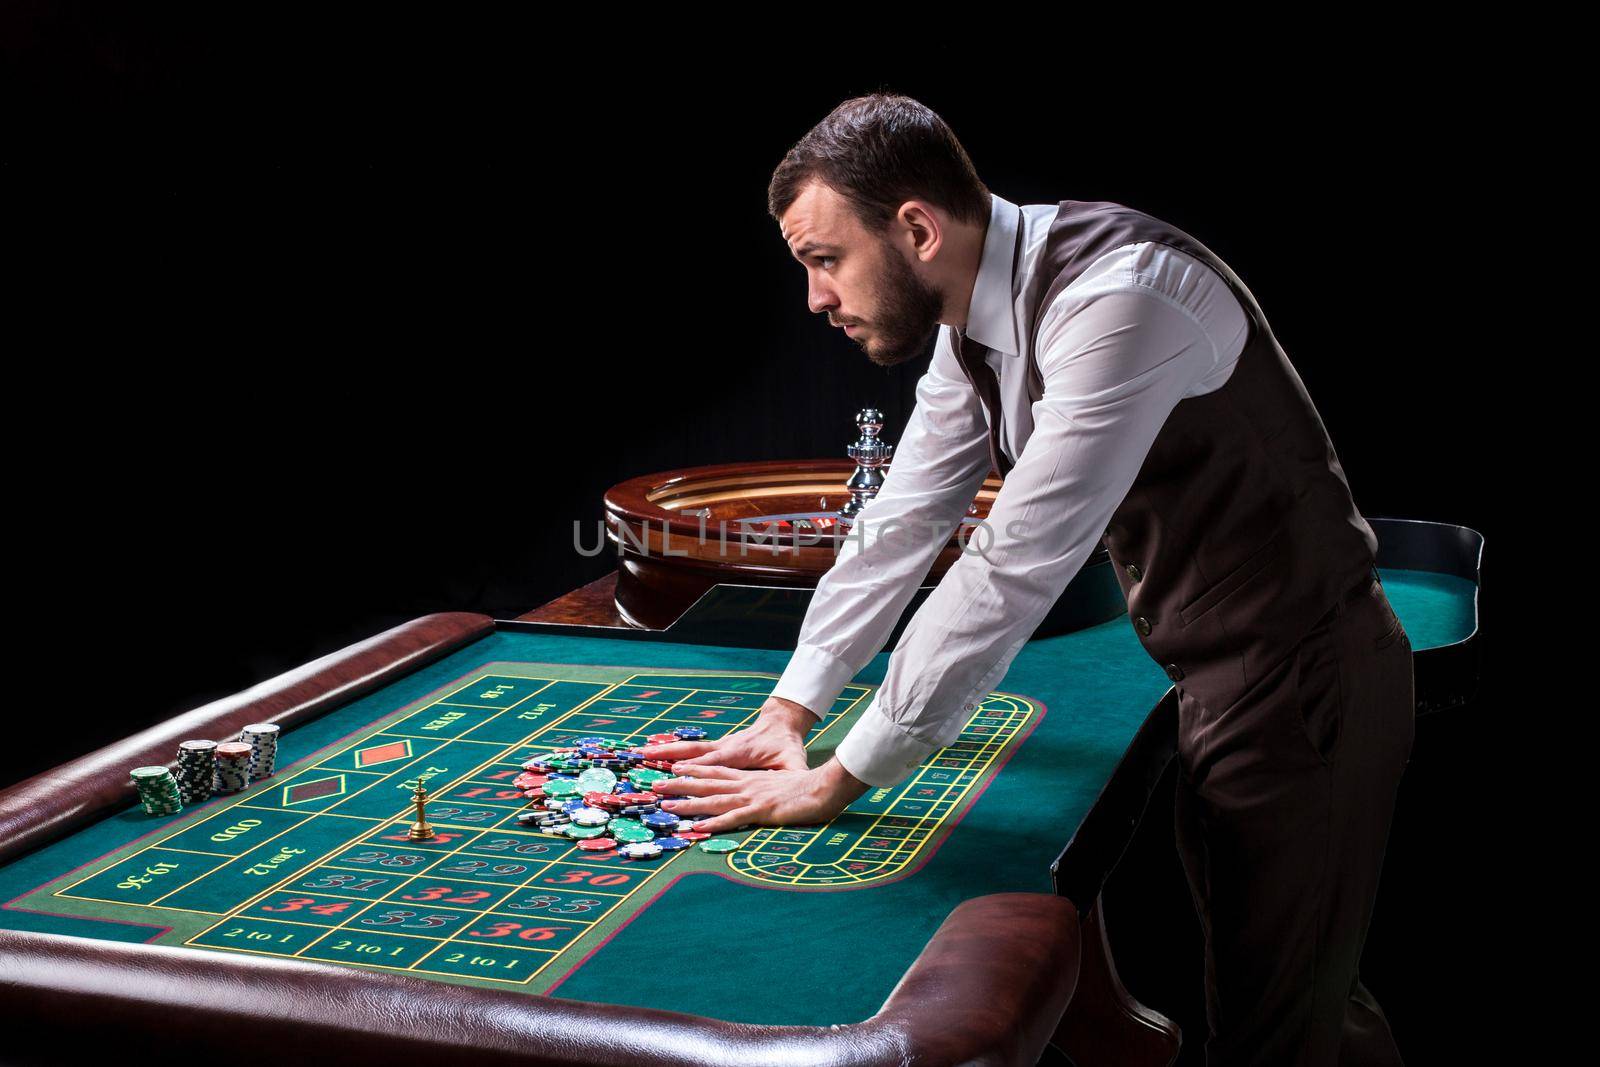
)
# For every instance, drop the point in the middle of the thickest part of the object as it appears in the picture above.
(1283, 810)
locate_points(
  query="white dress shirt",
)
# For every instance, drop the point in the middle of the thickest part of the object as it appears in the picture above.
(1144, 326)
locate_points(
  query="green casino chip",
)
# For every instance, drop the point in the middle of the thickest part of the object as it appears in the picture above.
(647, 778)
(597, 780)
(626, 830)
(719, 844)
(572, 829)
(562, 787)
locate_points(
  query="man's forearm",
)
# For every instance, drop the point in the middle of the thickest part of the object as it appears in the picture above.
(783, 714)
(840, 786)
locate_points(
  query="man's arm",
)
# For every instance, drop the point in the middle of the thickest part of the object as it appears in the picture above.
(937, 469)
(1115, 362)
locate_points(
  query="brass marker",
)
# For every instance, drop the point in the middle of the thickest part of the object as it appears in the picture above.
(420, 830)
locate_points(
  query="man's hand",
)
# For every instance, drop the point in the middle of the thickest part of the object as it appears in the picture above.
(719, 799)
(775, 741)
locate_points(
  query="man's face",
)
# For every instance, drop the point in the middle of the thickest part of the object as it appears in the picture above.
(859, 279)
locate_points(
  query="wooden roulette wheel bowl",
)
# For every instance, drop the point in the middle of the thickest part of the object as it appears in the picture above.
(680, 533)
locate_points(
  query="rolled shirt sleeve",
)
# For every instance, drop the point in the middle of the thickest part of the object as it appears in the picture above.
(935, 472)
(1115, 361)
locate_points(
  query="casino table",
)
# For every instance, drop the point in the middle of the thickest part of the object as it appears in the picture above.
(950, 918)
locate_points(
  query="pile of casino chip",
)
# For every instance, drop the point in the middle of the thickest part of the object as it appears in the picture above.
(263, 741)
(233, 768)
(598, 794)
(158, 790)
(197, 767)
(206, 768)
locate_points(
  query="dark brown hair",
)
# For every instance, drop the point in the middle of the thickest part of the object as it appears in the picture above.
(879, 151)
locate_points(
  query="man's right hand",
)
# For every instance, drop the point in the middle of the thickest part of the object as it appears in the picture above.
(775, 741)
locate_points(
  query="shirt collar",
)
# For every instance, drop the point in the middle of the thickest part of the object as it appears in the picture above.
(991, 313)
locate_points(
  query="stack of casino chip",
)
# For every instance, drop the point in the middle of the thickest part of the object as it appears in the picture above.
(263, 741)
(598, 794)
(197, 768)
(233, 768)
(158, 790)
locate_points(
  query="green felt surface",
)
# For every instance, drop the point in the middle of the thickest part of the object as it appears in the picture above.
(757, 952)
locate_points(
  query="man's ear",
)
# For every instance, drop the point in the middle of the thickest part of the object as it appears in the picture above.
(923, 232)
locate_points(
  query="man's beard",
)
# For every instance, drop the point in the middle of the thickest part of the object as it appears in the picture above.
(908, 313)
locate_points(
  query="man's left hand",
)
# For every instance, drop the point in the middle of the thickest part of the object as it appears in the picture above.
(719, 799)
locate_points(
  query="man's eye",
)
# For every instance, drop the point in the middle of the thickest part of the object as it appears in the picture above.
(825, 261)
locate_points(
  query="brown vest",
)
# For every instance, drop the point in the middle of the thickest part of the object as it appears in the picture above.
(1239, 532)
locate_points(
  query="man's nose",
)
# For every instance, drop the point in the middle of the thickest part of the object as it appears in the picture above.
(820, 298)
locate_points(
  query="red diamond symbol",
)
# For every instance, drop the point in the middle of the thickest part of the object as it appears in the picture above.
(301, 792)
(367, 757)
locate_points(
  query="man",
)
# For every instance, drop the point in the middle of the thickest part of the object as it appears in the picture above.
(1126, 383)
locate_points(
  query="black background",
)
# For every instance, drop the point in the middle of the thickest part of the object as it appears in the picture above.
(321, 327)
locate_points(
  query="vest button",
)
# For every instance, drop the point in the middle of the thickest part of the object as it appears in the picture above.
(1134, 574)
(1142, 624)
(1174, 672)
